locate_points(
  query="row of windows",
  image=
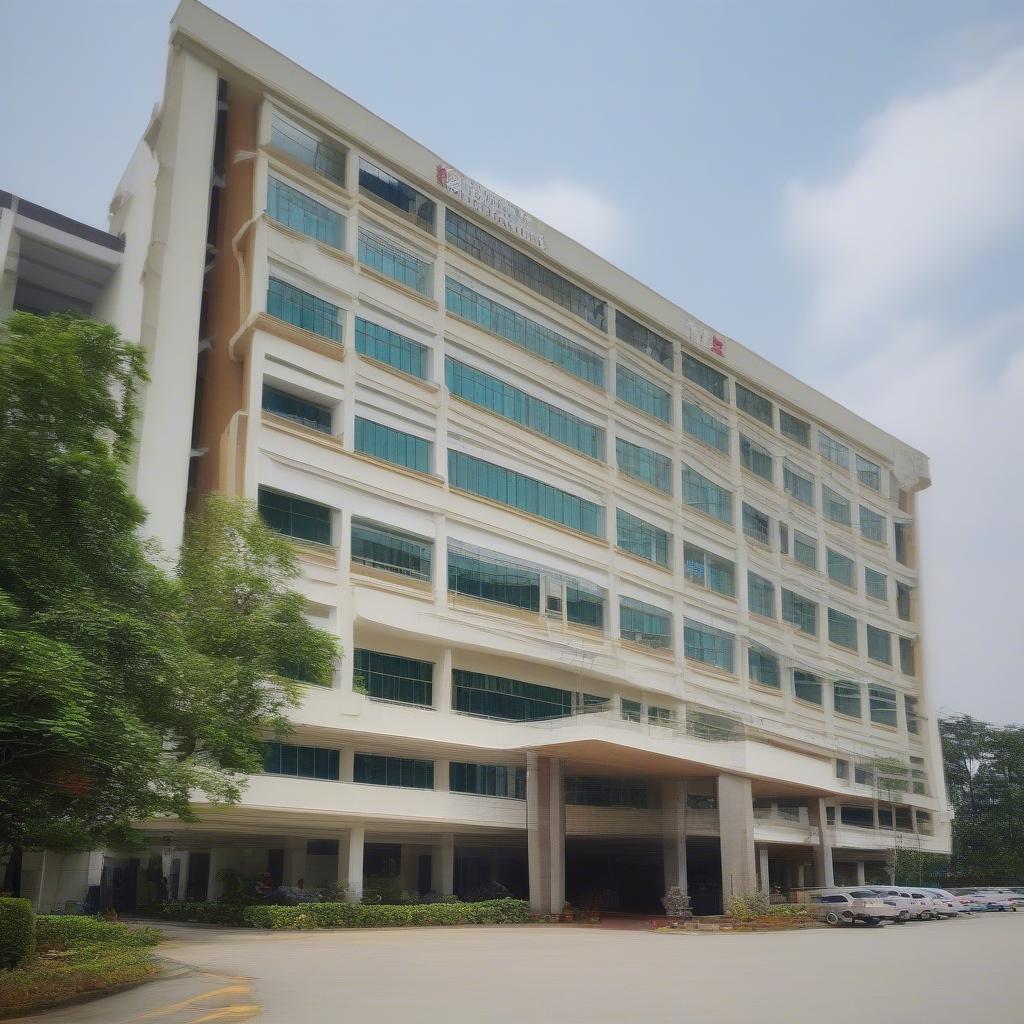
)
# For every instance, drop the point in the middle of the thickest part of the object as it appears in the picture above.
(506, 583)
(391, 445)
(523, 269)
(543, 342)
(384, 256)
(505, 400)
(512, 404)
(763, 668)
(302, 213)
(521, 492)
(643, 339)
(387, 346)
(391, 678)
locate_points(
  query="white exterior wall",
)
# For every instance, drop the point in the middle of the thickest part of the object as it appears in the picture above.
(786, 742)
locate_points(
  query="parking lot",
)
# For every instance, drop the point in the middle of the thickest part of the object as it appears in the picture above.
(956, 970)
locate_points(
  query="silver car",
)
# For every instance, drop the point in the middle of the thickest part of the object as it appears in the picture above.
(847, 906)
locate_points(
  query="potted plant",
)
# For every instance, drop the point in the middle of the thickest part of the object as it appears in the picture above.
(568, 915)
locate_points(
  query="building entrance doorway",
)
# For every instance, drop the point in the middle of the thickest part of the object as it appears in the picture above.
(704, 875)
(626, 876)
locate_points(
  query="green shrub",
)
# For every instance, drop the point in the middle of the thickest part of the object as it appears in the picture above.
(359, 915)
(17, 932)
(204, 912)
(59, 931)
(786, 910)
(748, 906)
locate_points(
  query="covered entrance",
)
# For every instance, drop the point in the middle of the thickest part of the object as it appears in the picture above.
(614, 875)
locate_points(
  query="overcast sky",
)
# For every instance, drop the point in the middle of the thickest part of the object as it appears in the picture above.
(838, 185)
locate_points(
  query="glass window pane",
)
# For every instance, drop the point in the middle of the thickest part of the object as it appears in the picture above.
(541, 341)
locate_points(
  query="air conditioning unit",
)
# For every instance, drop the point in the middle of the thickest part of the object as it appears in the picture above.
(553, 605)
(554, 594)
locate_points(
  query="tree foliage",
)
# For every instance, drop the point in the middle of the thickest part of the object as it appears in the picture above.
(123, 687)
(985, 779)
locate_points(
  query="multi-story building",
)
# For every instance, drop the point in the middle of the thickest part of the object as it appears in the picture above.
(623, 605)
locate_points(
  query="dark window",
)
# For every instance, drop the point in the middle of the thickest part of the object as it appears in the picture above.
(487, 779)
(413, 205)
(510, 700)
(710, 379)
(392, 551)
(294, 517)
(389, 677)
(381, 770)
(309, 414)
(643, 339)
(501, 256)
(302, 762)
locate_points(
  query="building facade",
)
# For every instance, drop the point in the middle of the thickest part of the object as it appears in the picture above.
(622, 604)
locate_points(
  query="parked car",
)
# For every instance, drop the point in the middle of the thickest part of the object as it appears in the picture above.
(838, 906)
(979, 899)
(946, 904)
(1001, 899)
(919, 906)
(900, 900)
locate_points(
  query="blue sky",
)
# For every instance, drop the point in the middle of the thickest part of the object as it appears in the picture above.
(837, 185)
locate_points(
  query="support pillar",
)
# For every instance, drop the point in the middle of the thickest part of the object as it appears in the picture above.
(295, 862)
(182, 876)
(442, 866)
(350, 863)
(673, 821)
(824, 871)
(216, 863)
(545, 813)
(861, 874)
(736, 835)
(762, 861)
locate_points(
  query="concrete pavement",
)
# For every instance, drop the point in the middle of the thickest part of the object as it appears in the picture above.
(955, 971)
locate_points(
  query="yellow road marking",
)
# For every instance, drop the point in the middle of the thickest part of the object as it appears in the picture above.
(164, 1010)
(236, 1011)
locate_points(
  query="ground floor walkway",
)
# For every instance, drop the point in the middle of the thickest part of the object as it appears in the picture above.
(929, 971)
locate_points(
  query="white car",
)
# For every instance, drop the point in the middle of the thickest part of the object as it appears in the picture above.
(946, 904)
(985, 899)
(1000, 899)
(846, 906)
(900, 899)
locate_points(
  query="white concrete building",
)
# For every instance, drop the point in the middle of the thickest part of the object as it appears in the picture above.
(623, 605)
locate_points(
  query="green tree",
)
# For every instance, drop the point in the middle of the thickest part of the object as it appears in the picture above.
(123, 687)
(984, 767)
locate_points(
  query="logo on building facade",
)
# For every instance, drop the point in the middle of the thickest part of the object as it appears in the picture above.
(490, 204)
(702, 337)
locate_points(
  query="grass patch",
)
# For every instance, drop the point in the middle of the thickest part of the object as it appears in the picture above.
(77, 955)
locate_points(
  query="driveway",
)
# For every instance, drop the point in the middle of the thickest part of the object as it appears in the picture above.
(959, 970)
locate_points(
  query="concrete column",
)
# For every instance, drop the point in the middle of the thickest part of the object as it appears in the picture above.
(545, 813)
(407, 874)
(762, 861)
(182, 877)
(824, 873)
(736, 835)
(442, 866)
(347, 764)
(443, 682)
(861, 879)
(213, 887)
(295, 861)
(673, 830)
(442, 774)
(350, 862)
(38, 901)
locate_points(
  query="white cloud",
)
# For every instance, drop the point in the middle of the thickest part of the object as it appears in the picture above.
(576, 210)
(938, 178)
(934, 188)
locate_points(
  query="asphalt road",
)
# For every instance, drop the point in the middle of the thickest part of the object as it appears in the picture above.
(961, 971)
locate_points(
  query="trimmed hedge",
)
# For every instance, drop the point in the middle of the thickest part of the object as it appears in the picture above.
(357, 915)
(60, 931)
(17, 932)
(203, 912)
